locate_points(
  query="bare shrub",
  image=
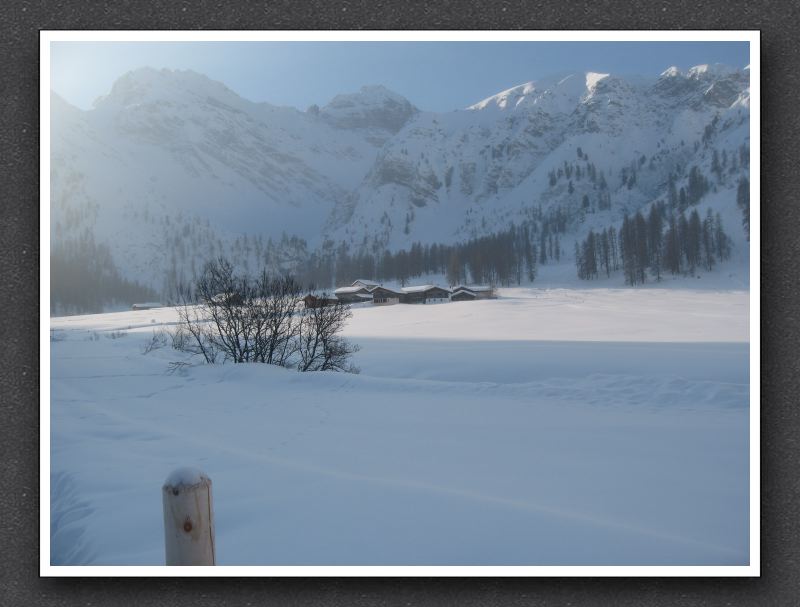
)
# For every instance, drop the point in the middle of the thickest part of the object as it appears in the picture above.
(193, 334)
(179, 338)
(251, 320)
(158, 340)
(244, 319)
(321, 348)
(178, 366)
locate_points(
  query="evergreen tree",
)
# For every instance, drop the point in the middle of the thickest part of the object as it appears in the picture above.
(693, 241)
(683, 239)
(709, 249)
(672, 247)
(605, 255)
(627, 240)
(716, 166)
(590, 258)
(672, 193)
(655, 238)
(641, 256)
(721, 240)
(543, 248)
(697, 187)
(682, 200)
(531, 262)
(614, 249)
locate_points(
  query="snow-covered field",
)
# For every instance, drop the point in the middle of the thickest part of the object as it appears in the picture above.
(561, 426)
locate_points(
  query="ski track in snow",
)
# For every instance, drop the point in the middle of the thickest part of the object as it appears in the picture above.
(412, 430)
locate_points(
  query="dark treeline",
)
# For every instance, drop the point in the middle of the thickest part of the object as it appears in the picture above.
(504, 258)
(661, 242)
(670, 238)
(84, 279)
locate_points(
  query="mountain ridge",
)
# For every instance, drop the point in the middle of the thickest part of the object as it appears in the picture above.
(173, 150)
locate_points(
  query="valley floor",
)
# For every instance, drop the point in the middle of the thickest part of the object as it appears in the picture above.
(547, 427)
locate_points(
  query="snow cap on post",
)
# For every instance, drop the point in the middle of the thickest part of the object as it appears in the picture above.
(188, 518)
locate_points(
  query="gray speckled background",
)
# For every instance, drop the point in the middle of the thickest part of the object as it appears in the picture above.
(19, 264)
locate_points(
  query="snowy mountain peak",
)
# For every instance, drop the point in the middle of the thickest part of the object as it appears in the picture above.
(703, 72)
(506, 99)
(710, 71)
(671, 72)
(593, 78)
(557, 94)
(372, 107)
(149, 85)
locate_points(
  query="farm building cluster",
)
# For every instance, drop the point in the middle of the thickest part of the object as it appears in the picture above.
(367, 291)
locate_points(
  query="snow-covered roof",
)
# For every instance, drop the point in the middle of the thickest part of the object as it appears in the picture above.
(366, 283)
(475, 288)
(421, 288)
(394, 291)
(349, 290)
(463, 290)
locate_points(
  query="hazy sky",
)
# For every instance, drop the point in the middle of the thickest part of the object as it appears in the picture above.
(437, 76)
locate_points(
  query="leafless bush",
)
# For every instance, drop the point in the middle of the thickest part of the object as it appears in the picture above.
(193, 334)
(179, 338)
(115, 334)
(250, 320)
(177, 366)
(321, 348)
(242, 319)
(158, 340)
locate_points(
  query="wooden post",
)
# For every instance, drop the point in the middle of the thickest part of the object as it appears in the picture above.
(188, 518)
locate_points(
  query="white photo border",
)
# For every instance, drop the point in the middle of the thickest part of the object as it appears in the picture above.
(753, 37)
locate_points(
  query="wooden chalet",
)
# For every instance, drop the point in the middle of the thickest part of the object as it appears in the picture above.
(463, 294)
(367, 284)
(425, 294)
(480, 291)
(381, 296)
(354, 294)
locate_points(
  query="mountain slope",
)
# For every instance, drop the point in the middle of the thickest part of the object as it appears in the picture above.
(174, 152)
(171, 168)
(459, 175)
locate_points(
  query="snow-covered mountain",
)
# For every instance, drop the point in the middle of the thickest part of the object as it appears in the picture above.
(462, 174)
(174, 154)
(171, 167)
